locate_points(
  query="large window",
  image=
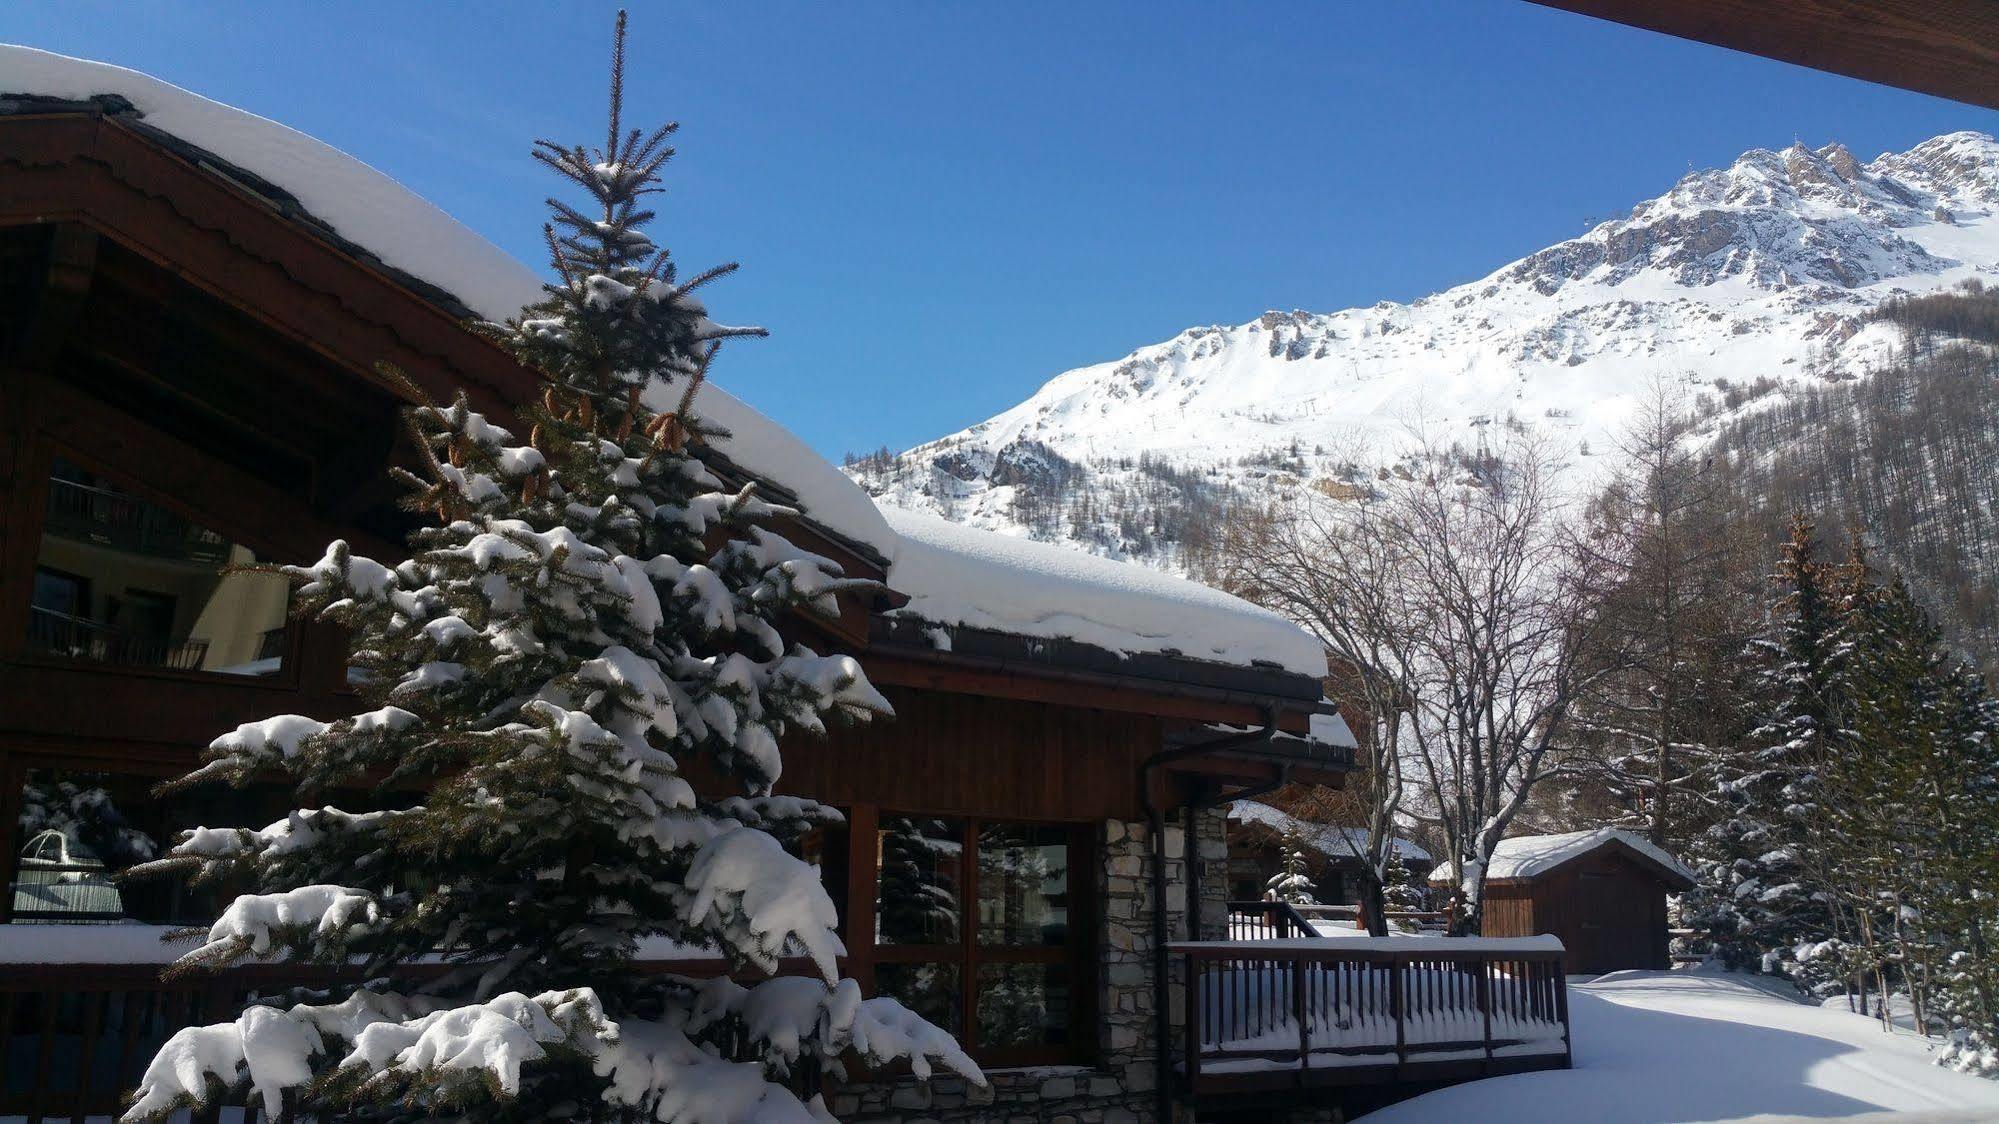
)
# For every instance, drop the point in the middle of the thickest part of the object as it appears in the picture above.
(122, 580)
(77, 831)
(976, 929)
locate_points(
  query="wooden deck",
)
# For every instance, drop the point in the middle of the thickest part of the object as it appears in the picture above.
(1285, 1016)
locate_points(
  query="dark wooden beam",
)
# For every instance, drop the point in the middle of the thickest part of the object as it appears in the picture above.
(1134, 696)
(1949, 48)
(59, 299)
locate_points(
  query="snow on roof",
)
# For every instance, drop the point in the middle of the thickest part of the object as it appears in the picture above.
(1325, 729)
(1338, 842)
(1526, 856)
(1332, 729)
(959, 575)
(954, 575)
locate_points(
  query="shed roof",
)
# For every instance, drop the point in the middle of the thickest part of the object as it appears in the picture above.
(954, 575)
(1526, 857)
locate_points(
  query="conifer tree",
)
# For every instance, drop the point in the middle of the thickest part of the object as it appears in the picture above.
(1402, 890)
(591, 621)
(1292, 883)
(1914, 820)
(1958, 798)
(1756, 900)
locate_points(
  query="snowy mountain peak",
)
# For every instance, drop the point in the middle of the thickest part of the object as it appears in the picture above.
(1747, 277)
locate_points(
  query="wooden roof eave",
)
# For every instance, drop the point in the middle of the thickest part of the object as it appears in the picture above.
(1946, 48)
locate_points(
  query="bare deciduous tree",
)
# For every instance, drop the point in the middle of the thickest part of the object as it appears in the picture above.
(1337, 567)
(1502, 622)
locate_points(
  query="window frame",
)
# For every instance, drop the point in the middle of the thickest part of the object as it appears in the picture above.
(1077, 952)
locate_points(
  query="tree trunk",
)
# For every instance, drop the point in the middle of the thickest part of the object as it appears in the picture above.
(1375, 911)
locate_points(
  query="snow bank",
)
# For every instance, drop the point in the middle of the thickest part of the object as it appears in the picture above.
(1526, 856)
(1652, 1047)
(1335, 842)
(956, 575)
(404, 230)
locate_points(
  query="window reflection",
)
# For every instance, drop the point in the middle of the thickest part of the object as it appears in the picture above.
(78, 831)
(917, 899)
(930, 990)
(1023, 885)
(120, 580)
(824, 848)
(1023, 1005)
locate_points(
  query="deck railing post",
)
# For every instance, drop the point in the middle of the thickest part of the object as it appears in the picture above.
(1299, 976)
(1192, 976)
(1395, 1009)
(1562, 1011)
(1485, 1006)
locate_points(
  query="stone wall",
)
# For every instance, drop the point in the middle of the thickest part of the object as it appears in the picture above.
(1119, 1087)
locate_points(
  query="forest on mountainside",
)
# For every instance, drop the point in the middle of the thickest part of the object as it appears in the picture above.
(1906, 456)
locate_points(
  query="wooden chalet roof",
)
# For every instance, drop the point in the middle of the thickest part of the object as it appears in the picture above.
(1949, 48)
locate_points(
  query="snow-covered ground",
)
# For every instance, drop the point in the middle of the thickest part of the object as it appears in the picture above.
(1659, 1047)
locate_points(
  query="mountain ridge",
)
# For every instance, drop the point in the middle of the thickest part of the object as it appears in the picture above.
(1738, 281)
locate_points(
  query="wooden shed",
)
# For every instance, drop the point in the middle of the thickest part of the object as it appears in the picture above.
(1603, 892)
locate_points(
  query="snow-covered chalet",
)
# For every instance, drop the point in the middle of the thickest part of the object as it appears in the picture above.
(192, 304)
(193, 301)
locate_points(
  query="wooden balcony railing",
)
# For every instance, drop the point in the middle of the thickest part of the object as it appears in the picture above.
(1275, 1015)
(1267, 921)
(82, 639)
(127, 523)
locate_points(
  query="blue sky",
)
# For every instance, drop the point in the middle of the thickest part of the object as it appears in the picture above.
(939, 206)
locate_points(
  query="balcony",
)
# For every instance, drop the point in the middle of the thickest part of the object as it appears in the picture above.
(78, 638)
(128, 524)
(1287, 1016)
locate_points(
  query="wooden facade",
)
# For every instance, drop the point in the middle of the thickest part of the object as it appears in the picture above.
(1607, 905)
(187, 380)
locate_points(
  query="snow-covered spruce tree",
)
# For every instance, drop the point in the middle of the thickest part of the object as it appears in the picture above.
(1959, 807)
(1403, 890)
(590, 615)
(1914, 822)
(1755, 899)
(1292, 883)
